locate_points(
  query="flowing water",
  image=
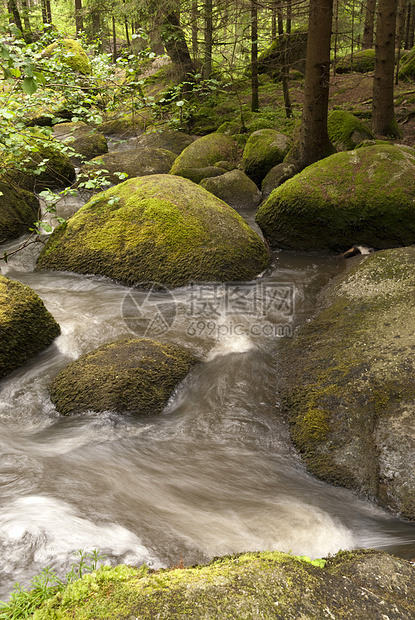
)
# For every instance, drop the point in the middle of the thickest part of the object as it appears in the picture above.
(213, 474)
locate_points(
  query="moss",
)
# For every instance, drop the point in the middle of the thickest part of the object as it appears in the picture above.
(173, 141)
(126, 125)
(234, 188)
(198, 174)
(158, 228)
(407, 69)
(247, 586)
(346, 131)
(26, 327)
(350, 393)
(18, 211)
(365, 196)
(135, 376)
(205, 151)
(71, 53)
(362, 62)
(264, 149)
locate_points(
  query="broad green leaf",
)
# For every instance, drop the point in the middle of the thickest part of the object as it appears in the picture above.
(29, 85)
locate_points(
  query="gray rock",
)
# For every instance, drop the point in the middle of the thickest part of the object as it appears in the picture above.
(234, 188)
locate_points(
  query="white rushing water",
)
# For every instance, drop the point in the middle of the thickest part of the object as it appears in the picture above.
(213, 474)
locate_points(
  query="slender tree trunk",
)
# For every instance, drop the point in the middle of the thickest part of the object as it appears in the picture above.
(207, 70)
(411, 30)
(336, 34)
(383, 113)
(14, 15)
(289, 17)
(175, 44)
(26, 21)
(274, 20)
(79, 22)
(284, 64)
(314, 139)
(254, 57)
(114, 41)
(400, 25)
(195, 29)
(369, 29)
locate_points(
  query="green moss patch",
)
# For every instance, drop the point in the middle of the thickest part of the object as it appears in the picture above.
(18, 211)
(205, 151)
(71, 53)
(364, 196)
(349, 390)
(158, 228)
(361, 62)
(407, 70)
(26, 327)
(264, 149)
(346, 131)
(135, 376)
(250, 586)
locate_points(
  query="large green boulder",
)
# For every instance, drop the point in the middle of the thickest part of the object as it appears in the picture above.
(204, 152)
(158, 228)
(71, 53)
(407, 70)
(87, 143)
(136, 162)
(365, 196)
(361, 62)
(174, 141)
(346, 131)
(135, 376)
(26, 327)
(251, 586)
(264, 149)
(290, 49)
(18, 211)
(349, 388)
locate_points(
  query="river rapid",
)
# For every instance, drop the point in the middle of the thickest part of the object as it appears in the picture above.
(214, 474)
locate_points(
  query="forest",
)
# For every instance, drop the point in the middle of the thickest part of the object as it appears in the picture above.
(207, 319)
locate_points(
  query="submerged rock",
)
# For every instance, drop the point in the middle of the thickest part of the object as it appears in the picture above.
(234, 188)
(159, 228)
(264, 149)
(350, 392)
(267, 585)
(135, 376)
(365, 196)
(136, 162)
(18, 211)
(204, 152)
(26, 327)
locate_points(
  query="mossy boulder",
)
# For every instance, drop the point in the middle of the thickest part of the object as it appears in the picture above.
(56, 171)
(349, 391)
(254, 586)
(174, 141)
(204, 152)
(290, 48)
(407, 70)
(198, 174)
(365, 196)
(346, 131)
(135, 376)
(362, 62)
(18, 211)
(26, 327)
(264, 149)
(86, 142)
(137, 162)
(126, 125)
(71, 53)
(276, 177)
(158, 228)
(234, 188)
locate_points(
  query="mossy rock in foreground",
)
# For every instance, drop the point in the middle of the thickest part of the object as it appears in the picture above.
(346, 131)
(71, 53)
(135, 376)
(158, 228)
(18, 211)
(268, 585)
(26, 327)
(349, 388)
(365, 196)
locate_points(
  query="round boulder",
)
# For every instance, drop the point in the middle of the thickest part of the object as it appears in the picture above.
(174, 141)
(26, 327)
(365, 196)
(234, 188)
(71, 53)
(135, 376)
(276, 177)
(86, 142)
(349, 387)
(346, 131)
(204, 152)
(18, 211)
(264, 149)
(158, 228)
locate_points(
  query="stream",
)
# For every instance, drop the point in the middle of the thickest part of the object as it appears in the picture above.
(214, 474)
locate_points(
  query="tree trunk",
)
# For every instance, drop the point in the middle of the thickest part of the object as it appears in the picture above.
(114, 41)
(383, 113)
(175, 44)
(411, 28)
(254, 57)
(79, 22)
(400, 26)
(369, 29)
(314, 139)
(207, 69)
(26, 21)
(195, 29)
(14, 14)
(284, 64)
